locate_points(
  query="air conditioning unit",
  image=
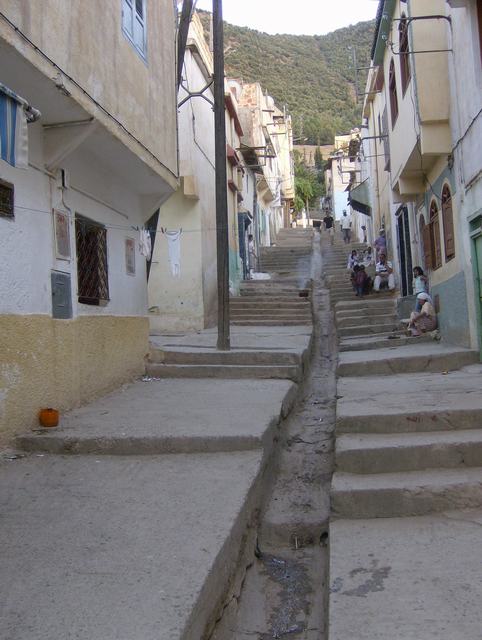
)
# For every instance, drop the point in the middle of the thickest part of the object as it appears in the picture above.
(457, 4)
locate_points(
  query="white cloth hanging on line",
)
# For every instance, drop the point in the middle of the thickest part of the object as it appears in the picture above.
(145, 246)
(174, 251)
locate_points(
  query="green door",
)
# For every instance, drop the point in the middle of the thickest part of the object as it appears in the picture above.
(478, 276)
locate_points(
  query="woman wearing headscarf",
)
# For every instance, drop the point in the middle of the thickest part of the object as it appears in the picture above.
(424, 320)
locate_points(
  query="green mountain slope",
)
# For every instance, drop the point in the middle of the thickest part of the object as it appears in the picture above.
(312, 75)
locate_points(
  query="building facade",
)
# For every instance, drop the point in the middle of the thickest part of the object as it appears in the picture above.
(184, 297)
(420, 113)
(100, 158)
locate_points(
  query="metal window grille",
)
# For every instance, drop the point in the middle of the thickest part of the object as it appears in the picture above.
(6, 200)
(92, 271)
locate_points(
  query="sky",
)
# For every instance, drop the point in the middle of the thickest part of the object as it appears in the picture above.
(302, 17)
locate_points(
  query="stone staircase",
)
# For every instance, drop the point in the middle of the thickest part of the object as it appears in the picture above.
(356, 318)
(178, 362)
(284, 300)
(409, 410)
(409, 431)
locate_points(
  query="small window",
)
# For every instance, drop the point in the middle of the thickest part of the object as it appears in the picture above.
(6, 200)
(448, 223)
(392, 89)
(134, 23)
(404, 53)
(92, 273)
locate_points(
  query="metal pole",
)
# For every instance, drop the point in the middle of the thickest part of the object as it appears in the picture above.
(222, 231)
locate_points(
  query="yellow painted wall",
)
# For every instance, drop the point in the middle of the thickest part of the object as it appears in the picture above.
(63, 363)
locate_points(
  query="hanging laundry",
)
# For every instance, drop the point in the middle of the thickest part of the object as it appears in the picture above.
(13, 129)
(174, 251)
(145, 246)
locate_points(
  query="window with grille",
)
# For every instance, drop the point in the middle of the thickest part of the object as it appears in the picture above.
(92, 271)
(404, 53)
(134, 24)
(6, 200)
(448, 224)
(392, 90)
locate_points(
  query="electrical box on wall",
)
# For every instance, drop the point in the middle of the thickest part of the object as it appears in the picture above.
(61, 295)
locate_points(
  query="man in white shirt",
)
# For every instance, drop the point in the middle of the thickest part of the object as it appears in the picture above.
(346, 227)
(384, 274)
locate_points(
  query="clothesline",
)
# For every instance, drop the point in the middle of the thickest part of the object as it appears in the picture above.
(126, 227)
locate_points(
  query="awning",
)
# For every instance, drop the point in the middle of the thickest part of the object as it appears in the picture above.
(15, 112)
(359, 198)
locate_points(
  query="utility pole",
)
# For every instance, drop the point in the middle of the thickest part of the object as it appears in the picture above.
(222, 231)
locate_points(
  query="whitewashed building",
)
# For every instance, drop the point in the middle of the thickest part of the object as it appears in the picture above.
(101, 158)
(423, 131)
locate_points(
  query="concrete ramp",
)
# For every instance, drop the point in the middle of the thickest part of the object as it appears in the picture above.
(121, 548)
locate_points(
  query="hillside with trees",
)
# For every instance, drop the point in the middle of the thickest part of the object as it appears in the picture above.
(313, 76)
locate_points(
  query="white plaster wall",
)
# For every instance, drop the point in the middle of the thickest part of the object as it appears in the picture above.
(27, 252)
(177, 303)
(189, 302)
(466, 91)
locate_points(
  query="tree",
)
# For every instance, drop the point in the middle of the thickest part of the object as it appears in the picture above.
(308, 188)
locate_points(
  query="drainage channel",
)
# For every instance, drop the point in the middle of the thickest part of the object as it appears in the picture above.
(284, 591)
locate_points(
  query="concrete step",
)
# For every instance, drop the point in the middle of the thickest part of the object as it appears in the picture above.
(411, 402)
(275, 294)
(172, 415)
(273, 291)
(377, 342)
(284, 285)
(271, 323)
(346, 300)
(188, 356)
(406, 578)
(224, 371)
(281, 312)
(284, 259)
(286, 251)
(341, 286)
(268, 303)
(388, 453)
(114, 569)
(365, 320)
(369, 302)
(411, 493)
(366, 311)
(414, 358)
(336, 272)
(367, 329)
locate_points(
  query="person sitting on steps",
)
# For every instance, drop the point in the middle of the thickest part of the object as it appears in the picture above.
(384, 274)
(368, 257)
(426, 319)
(352, 260)
(361, 281)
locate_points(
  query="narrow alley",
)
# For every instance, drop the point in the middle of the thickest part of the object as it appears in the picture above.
(241, 320)
(162, 488)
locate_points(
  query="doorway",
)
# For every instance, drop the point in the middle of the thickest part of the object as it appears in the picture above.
(476, 235)
(405, 252)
